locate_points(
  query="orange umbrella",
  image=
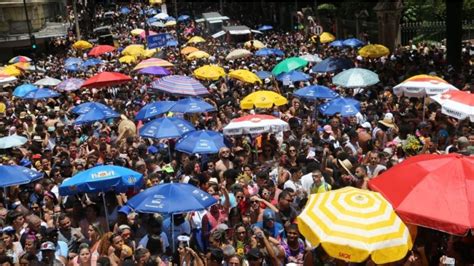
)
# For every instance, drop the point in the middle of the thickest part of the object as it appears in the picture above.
(188, 50)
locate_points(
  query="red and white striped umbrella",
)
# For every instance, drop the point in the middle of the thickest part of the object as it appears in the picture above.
(457, 104)
(255, 124)
(422, 85)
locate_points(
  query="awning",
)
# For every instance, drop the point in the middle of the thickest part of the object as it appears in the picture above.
(239, 32)
(215, 21)
(257, 31)
(218, 34)
(200, 20)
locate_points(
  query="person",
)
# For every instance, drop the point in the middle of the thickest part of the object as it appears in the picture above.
(269, 224)
(224, 163)
(84, 258)
(294, 247)
(13, 248)
(72, 236)
(319, 184)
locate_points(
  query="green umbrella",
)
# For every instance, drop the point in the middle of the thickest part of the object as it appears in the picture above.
(288, 65)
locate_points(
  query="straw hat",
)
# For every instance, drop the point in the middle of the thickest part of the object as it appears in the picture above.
(346, 164)
(388, 120)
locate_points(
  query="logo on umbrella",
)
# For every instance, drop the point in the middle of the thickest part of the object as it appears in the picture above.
(102, 174)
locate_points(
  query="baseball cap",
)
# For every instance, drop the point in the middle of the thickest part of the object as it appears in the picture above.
(366, 125)
(268, 215)
(254, 254)
(222, 227)
(328, 129)
(48, 245)
(168, 169)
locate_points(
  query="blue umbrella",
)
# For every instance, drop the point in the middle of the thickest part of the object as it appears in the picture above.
(169, 198)
(22, 90)
(73, 68)
(333, 64)
(265, 27)
(73, 61)
(41, 93)
(201, 142)
(125, 10)
(336, 43)
(151, 12)
(264, 74)
(344, 106)
(170, 18)
(101, 179)
(353, 42)
(13, 175)
(293, 76)
(154, 109)
(315, 92)
(166, 128)
(86, 107)
(192, 105)
(356, 78)
(92, 62)
(183, 18)
(269, 52)
(151, 20)
(12, 141)
(171, 43)
(95, 115)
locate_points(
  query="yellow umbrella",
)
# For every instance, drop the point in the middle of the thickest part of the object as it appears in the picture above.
(245, 76)
(156, 2)
(137, 32)
(196, 39)
(134, 50)
(128, 59)
(255, 44)
(238, 53)
(149, 53)
(170, 23)
(209, 72)
(262, 99)
(325, 37)
(188, 50)
(352, 224)
(10, 70)
(82, 45)
(374, 51)
(197, 55)
(22, 65)
(153, 62)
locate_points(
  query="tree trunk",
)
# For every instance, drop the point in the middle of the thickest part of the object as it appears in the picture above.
(454, 32)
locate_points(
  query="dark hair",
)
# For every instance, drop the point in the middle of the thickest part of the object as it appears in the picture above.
(154, 245)
(283, 194)
(217, 255)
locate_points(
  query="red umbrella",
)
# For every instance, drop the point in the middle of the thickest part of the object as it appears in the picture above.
(101, 49)
(430, 190)
(105, 79)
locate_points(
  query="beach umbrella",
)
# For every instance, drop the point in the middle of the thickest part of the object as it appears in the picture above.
(311, 58)
(155, 70)
(170, 18)
(161, 16)
(332, 64)
(170, 23)
(353, 42)
(315, 92)
(23, 89)
(153, 62)
(422, 85)
(264, 74)
(180, 85)
(269, 52)
(457, 104)
(102, 178)
(337, 43)
(191, 105)
(134, 50)
(6, 79)
(183, 18)
(94, 115)
(125, 10)
(73, 68)
(10, 70)
(105, 79)
(14, 175)
(262, 99)
(344, 106)
(356, 78)
(128, 59)
(150, 33)
(73, 61)
(39, 94)
(209, 72)
(171, 43)
(188, 49)
(82, 45)
(374, 51)
(71, 84)
(254, 44)
(24, 66)
(352, 225)
(196, 39)
(84, 108)
(47, 81)
(288, 65)
(255, 124)
(18, 59)
(197, 55)
(92, 62)
(154, 109)
(101, 49)
(136, 32)
(237, 54)
(166, 128)
(158, 24)
(265, 28)
(431, 190)
(245, 76)
(12, 141)
(325, 37)
(201, 142)
(293, 76)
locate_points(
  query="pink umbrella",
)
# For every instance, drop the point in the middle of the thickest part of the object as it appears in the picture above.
(150, 33)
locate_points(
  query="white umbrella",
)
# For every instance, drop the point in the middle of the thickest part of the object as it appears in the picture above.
(6, 79)
(314, 58)
(12, 141)
(422, 85)
(158, 24)
(238, 53)
(457, 104)
(161, 16)
(255, 124)
(47, 82)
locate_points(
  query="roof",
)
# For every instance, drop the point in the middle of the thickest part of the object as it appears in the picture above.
(237, 30)
(214, 16)
(51, 29)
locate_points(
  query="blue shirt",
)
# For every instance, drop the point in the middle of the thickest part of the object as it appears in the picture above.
(276, 231)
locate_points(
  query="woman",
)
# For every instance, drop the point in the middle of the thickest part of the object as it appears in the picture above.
(234, 260)
(95, 233)
(241, 240)
(91, 216)
(17, 221)
(85, 257)
(50, 202)
(13, 248)
(292, 154)
(294, 247)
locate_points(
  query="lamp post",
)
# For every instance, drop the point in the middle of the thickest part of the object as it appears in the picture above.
(31, 36)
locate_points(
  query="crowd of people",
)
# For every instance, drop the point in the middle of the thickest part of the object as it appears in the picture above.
(261, 182)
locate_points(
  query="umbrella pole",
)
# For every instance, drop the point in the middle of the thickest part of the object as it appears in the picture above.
(424, 107)
(172, 232)
(106, 212)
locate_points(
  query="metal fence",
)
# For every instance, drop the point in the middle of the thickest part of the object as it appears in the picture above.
(432, 30)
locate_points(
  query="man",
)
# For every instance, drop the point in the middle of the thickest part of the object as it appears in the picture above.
(286, 212)
(181, 227)
(126, 128)
(72, 236)
(374, 168)
(319, 185)
(224, 162)
(352, 144)
(275, 229)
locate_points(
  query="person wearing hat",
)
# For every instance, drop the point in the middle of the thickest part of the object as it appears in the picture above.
(268, 223)
(126, 128)
(384, 131)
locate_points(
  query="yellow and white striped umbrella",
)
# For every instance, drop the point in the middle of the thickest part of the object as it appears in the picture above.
(352, 224)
